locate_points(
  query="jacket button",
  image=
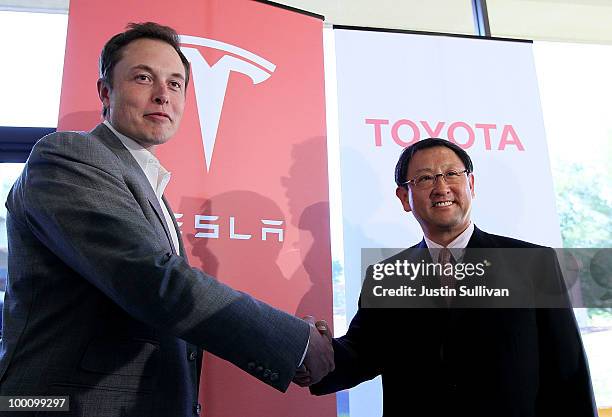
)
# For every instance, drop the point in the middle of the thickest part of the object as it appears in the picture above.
(197, 409)
(274, 376)
(259, 369)
(193, 356)
(251, 366)
(266, 373)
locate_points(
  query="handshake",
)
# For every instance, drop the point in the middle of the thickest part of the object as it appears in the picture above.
(319, 358)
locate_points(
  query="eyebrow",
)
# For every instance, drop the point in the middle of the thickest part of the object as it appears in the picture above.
(148, 68)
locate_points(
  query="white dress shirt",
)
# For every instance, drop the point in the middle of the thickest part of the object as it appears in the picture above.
(157, 175)
(457, 246)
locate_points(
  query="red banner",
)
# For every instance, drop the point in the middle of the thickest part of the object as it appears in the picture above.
(249, 163)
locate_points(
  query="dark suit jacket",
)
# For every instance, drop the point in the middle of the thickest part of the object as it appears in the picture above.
(467, 362)
(98, 307)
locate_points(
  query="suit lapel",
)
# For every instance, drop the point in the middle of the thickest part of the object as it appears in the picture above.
(480, 239)
(123, 154)
(181, 248)
(422, 244)
(160, 216)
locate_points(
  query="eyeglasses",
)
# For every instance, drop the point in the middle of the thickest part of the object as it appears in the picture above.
(428, 180)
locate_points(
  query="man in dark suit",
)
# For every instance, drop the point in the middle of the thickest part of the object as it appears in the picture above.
(101, 304)
(450, 361)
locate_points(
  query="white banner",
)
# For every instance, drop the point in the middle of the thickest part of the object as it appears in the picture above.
(395, 89)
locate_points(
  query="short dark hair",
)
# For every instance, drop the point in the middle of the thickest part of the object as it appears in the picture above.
(111, 53)
(401, 168)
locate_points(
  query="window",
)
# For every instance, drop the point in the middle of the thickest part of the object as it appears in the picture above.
(8, 175)
(575, 87)
(32, 51)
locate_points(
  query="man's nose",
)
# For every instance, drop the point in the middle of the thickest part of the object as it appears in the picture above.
(160, 95)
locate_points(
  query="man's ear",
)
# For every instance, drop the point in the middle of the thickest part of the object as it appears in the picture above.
(104, 92)
(471, 183)
(402, 194)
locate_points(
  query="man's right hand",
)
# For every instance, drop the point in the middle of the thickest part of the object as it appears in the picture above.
(319, 359)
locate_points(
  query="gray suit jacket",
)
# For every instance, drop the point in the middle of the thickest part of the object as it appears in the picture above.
(98, 307)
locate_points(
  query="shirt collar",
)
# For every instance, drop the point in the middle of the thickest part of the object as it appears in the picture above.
(156, 174)
(457, 246)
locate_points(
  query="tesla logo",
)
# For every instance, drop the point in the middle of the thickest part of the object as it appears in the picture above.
(212, 228)
(210, 82)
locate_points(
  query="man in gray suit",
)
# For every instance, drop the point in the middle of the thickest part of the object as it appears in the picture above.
(101, 304)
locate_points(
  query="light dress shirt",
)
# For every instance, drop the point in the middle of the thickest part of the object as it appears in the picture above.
(456, 247)
(157, 175)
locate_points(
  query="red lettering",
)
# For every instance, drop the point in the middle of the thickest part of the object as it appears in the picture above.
(451, 134)
(435, 133)
(416, 134)
(486, 131)
(507, 132)
(462, 134)
(377, 129)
